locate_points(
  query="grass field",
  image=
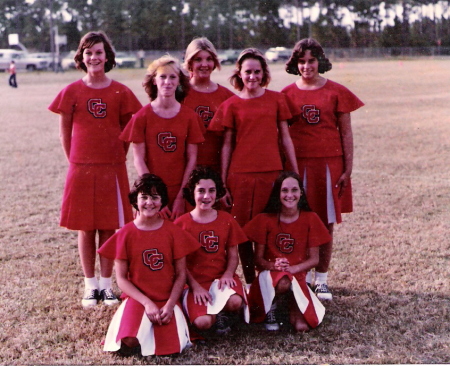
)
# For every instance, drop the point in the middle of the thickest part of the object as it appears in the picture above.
(391, 268)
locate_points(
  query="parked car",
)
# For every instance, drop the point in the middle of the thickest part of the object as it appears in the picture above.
(125, 60)
(46, 56)
(68, 62)
(6, 55)
(23, 60)
(228, 56)
(275, 54)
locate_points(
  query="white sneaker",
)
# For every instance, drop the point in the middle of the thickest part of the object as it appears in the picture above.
(108, 297)
(271, 323)
(323, 292)
(90, 297)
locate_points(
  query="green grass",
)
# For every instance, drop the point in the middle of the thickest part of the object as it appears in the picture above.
(391, 266)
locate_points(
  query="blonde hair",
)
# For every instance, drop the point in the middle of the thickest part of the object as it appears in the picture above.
(197, 45)
(166, 60)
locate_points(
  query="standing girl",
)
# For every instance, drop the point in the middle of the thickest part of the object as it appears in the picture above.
(323, 141)
(214, 287)
(93, 111)
(165, 133)
(149, 254)
(255, 121)
(287, 235)
(205, 96)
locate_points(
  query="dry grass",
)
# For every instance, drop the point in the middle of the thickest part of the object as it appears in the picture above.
(390, 272)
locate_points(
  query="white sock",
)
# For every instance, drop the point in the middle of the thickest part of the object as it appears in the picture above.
(309, 277)
(105, 283)
(91, 283)
(321, 277)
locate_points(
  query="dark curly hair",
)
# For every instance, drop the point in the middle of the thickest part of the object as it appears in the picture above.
(88, 41)
(250, 53)
(299, 51)
(148, 184)
(274, 204)
(203, 172)
(149, 85)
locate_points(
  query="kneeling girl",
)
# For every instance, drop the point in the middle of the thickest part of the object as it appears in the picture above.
(150, 263)
(214, 287)
(288, 235)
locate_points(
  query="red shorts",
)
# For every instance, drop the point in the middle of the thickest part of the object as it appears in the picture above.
(320, 176)
(96, 197)
(250, 193)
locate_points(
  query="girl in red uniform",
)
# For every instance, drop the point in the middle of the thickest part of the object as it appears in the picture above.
(214, 287)
(323, 141)
(205, 96)
(255, 121)
(165, 133)
(287, 235)
(150, 263)
(93, 111)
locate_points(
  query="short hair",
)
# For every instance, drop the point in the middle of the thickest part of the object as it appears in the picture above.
(250, 53)
(88, 41)
(148, 184)
(203, 172)
(299, 51)
(197, 45)
(274, 204)
(166, 60)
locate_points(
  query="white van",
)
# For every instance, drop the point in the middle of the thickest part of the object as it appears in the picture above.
(6, 55)
(23, 60)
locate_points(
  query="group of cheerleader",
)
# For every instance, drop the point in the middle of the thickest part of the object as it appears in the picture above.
(223, 177)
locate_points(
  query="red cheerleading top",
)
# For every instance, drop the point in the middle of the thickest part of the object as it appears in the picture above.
(206, 105)
(290, 240)
(255, 121)
(96, 120)
(165, 140)
(315, 132)
(209, 262)
(150, 255)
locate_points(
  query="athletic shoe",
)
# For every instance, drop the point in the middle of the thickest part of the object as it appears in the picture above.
(90, 298)
(108, 297)
(323, 292)
(222, 326)
(271, 323)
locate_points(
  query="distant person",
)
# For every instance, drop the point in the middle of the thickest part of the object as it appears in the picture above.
(12, 74)
(255, 124)
(205, 96)
(92, 113)
(165, 133)
(150, 260)
(323, 140)
(215, 290)
(141, 56)
(287, 236)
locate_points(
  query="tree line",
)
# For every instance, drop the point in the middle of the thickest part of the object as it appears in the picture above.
(172, 24)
